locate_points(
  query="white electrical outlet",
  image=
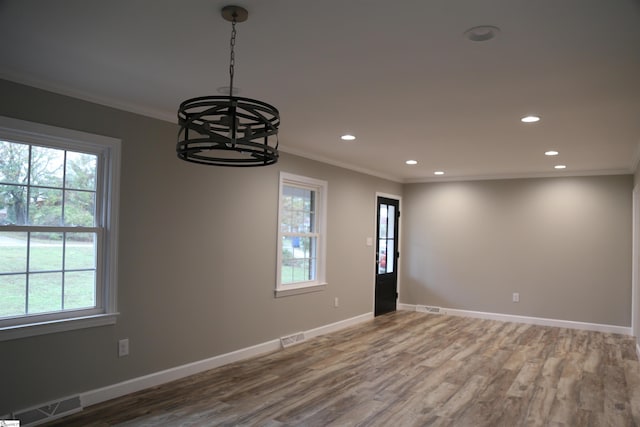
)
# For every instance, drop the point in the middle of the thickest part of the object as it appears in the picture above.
(336, 303)
(123, 347)
(516, 297)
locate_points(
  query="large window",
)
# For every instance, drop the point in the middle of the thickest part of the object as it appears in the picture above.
(58, 190)
(301, 236)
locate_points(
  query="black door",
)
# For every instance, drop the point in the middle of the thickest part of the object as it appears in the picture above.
(387, 255)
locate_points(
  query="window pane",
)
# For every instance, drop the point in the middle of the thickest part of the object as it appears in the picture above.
(79, 208)
(45, 252)
(81, 171)
(298, 271)
(45, 292)
(13, 253)
(47, 166)
(45, 206)
(298, 259)
(13, 204)
(297, 205)
(302, 222)
(13, 288)
(80, 251)
(14, 162)
(79, 290)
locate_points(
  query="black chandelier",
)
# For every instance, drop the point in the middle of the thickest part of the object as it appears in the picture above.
(228, 130)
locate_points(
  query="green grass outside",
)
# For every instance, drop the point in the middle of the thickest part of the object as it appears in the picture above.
(296, 274)
(45, 290)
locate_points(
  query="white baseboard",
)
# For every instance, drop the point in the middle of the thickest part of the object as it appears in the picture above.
(136, 384)
(530, 320)
(406, 307)
(157, 378)
(342, 324)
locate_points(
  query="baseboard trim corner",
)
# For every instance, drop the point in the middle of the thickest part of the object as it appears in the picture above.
(157, 378)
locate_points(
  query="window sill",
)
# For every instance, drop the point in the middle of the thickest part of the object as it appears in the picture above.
(33, 329)
(289, 291)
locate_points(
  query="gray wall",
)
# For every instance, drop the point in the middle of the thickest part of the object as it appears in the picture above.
(197, 254)
(563, 243)
(197, 259)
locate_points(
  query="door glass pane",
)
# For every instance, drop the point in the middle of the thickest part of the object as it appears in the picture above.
(391, 255)
(382, 256)
(391, 220)
(382, 226)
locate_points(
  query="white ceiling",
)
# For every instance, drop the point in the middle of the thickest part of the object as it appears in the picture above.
(399, 75)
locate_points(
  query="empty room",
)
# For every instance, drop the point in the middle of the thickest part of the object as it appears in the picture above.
(314, 213)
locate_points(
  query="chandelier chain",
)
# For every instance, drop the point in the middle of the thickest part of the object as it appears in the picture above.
(232, 60)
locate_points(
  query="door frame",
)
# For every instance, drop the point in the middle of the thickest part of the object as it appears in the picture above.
(373, 253)
(635, 266)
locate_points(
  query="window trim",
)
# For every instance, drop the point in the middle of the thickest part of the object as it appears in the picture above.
(321, 189)
(107, 206)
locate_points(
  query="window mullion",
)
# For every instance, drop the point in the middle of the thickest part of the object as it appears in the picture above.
(64, 258)
(27, 275)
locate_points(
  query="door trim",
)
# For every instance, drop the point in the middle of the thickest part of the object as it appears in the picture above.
(373, 252)
(635, 267)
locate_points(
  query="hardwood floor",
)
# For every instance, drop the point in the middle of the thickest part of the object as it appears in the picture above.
(405, 369)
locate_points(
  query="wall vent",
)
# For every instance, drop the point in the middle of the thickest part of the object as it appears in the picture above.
(292, 339)
(49, 411)
(428, 309)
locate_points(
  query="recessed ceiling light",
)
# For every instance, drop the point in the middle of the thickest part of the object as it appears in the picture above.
(438, 173)
(551, 153)
(411, 162)
(560, 166)
(482, 33)
(530, 119)
(347, 137)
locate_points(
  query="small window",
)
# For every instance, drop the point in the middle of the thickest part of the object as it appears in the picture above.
(58, 192)
(301, 235)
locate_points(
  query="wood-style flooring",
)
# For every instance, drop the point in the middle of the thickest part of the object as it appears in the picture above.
(405, 369)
